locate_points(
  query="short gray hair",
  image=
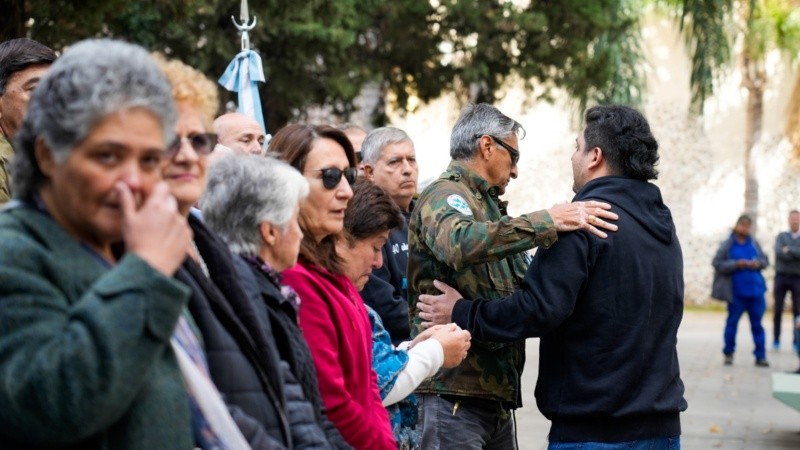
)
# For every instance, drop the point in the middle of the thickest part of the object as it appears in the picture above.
(94, 78)
(244, 191)
(379, 138)
(480, 119)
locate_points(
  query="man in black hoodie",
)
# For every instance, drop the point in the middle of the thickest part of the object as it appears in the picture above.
(607, 310)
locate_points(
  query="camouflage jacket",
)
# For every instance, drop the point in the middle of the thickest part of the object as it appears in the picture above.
(6, 153)
(460, 233)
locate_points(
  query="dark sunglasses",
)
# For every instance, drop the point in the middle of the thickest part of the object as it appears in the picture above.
(514, 153)
(332, 175)
(202, 143)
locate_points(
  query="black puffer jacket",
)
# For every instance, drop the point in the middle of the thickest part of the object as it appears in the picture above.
(302, 388)
(243, 360)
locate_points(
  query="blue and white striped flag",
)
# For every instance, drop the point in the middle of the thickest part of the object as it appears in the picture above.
(241, 76)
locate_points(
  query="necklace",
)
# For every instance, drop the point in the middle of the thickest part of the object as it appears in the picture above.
(199, 260)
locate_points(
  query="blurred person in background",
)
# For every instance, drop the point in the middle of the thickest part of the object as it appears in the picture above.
(787, 276)
(253, 202)
(332, 315)
(737, 280)
(797, 336)
(23, 62)
(356, 135)
(240, 133)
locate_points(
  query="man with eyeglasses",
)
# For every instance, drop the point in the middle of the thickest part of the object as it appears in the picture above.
(607, 310)
(461, 233)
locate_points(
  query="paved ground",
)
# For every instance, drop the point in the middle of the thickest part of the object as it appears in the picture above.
(730, 407)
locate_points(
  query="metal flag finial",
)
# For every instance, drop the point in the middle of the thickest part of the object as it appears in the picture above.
(244, 27)
(244, 13)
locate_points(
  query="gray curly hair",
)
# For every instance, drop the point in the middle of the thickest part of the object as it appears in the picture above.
(243, 191)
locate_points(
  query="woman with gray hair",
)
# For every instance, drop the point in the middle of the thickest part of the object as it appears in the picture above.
(253, 202)
(85, 328)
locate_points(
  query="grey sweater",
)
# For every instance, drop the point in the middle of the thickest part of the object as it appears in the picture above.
(787, 262)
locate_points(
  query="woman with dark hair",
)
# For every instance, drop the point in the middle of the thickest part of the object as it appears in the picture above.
(371, 214)
(332, 315)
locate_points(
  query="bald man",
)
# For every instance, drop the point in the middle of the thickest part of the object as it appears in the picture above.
(356, 135)
(240, 133)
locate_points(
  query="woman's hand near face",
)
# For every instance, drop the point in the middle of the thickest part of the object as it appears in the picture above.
(455, 343)
(156, 231)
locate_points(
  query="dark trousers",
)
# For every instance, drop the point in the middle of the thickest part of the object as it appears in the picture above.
(784, 284)
(473, 425)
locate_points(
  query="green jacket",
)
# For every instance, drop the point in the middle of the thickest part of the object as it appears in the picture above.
(85, 359)
(460, 233)
(6, 153)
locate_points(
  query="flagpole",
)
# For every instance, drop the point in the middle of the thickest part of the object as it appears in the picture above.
(245, 71)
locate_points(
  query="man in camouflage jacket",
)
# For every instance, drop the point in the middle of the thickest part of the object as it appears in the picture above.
(460, 233)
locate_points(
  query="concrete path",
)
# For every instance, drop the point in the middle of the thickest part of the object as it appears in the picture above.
(730, 407)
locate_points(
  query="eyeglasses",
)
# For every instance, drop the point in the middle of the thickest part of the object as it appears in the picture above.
(332, 175)
(202, 143)
(514, 153)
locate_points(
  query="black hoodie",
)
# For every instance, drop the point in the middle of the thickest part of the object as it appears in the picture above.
(607, 312)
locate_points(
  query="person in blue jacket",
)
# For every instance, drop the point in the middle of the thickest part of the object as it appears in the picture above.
(607, 310)
(737, 280)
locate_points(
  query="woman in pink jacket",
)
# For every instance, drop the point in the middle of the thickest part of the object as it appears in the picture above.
(332, 315)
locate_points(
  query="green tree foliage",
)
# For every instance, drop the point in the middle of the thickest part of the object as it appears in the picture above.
(589, 49)
(321, 52)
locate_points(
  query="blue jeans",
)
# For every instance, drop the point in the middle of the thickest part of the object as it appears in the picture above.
(473, 427)
(755, 307)
(662, 443)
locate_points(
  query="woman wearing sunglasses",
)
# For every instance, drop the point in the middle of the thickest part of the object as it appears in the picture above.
(242, 361)
(333, 317)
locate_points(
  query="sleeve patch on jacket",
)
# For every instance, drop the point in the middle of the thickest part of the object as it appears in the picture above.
(458, 202)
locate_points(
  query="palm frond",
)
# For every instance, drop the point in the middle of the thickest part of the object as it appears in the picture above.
(705, 25)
